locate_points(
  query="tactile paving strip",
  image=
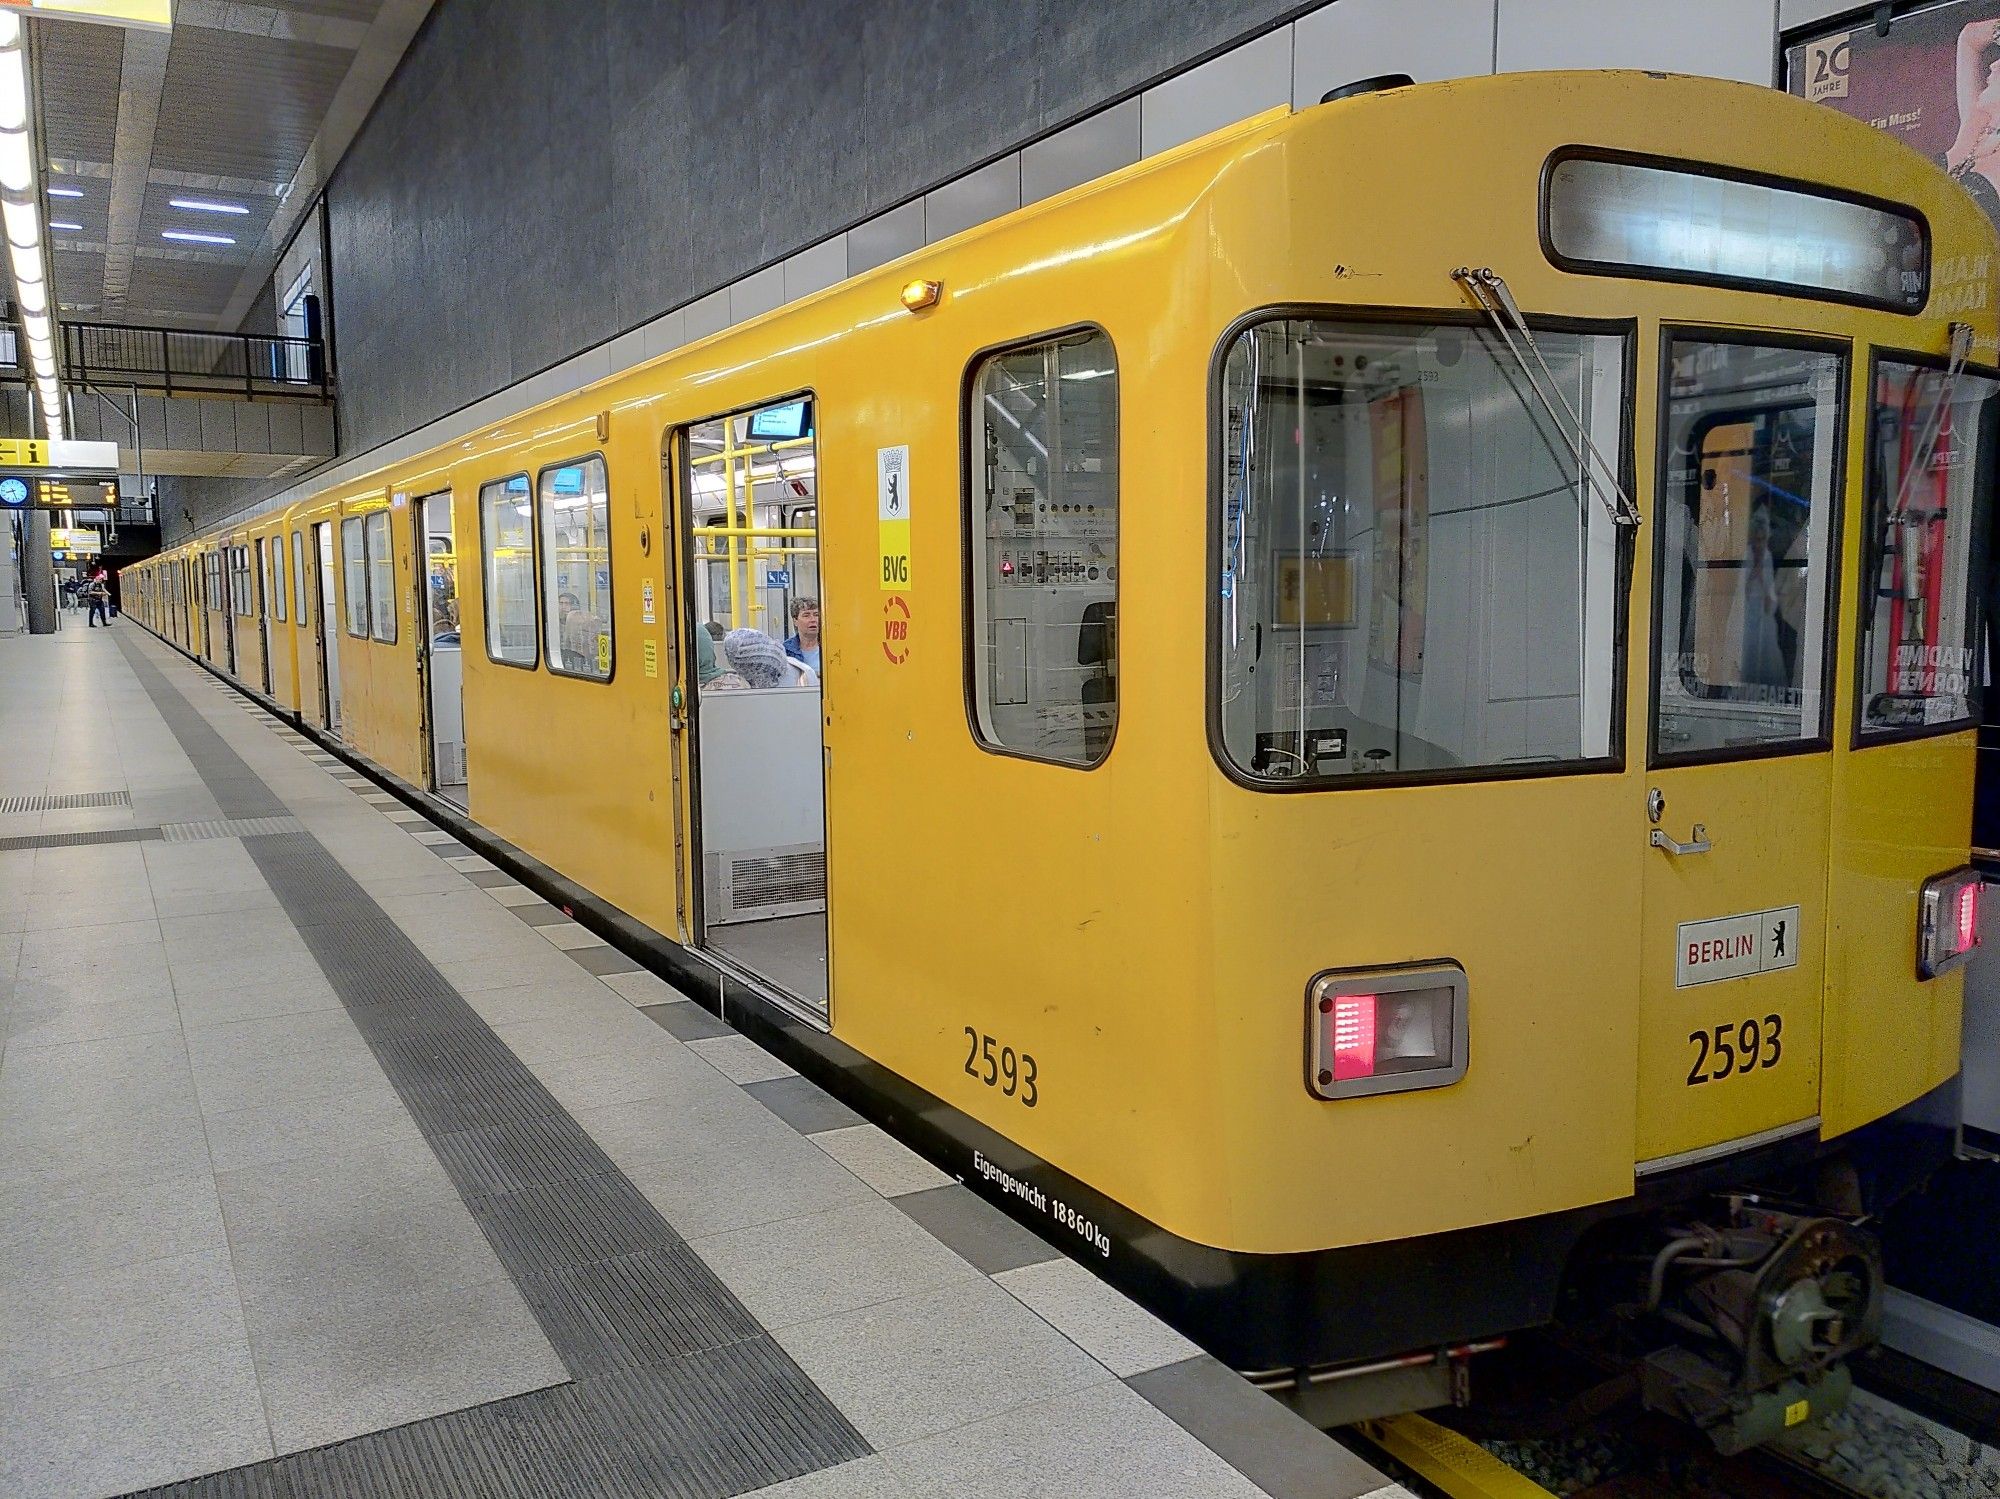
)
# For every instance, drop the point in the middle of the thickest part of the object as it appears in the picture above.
(73, 801)
(676, 1389)
(79, 840)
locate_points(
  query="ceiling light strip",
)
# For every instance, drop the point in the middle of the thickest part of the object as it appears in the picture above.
(21, 217)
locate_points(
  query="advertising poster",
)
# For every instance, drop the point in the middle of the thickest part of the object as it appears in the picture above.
(1933, 81)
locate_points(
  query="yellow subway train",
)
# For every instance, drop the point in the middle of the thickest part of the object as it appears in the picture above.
(1338, 719)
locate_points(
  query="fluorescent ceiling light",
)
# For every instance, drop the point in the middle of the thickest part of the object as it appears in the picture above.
(190, 237)
(65, 225)
(27, 263)
(33, 297)
(206, 205)
(65, 192)
(17, 162)
(23, 224)
(13, 93)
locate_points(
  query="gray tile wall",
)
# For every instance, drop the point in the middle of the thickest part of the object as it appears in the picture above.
(538, 178)
(535, 205)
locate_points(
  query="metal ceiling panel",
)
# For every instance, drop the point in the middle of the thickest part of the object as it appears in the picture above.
(78, 74)
(244, 93)
(243, 106)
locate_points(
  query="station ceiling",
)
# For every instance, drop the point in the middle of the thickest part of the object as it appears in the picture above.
(247, 104)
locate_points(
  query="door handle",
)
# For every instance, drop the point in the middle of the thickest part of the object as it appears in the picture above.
(1697, 841)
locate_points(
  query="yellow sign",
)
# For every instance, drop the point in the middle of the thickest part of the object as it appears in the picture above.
(604, 654)
(652, 654)
(75, 539)
(158, 13)
(23, 452)
(1797, 1412)
(892, 516)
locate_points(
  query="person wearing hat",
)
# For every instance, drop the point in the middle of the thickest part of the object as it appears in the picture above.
(754, 658)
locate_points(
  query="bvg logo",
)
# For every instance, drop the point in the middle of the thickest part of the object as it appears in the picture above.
(1826, 67)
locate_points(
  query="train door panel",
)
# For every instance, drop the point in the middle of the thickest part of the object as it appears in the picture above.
(265, 605)
(1732, 957)
(747, 512)
(1902, 763)
(439, 654)
(327, 631)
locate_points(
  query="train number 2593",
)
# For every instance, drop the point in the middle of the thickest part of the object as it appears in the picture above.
(1011, 1072)
(1730, 1050)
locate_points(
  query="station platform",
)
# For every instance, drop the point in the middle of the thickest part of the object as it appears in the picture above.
(333, 1162)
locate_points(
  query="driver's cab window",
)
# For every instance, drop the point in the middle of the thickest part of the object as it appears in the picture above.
(1750, 477)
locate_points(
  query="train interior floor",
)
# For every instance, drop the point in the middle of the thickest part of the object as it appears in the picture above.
(789, 951)
(332, 1161)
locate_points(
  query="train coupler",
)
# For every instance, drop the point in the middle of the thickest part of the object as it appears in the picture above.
(1765, 1309)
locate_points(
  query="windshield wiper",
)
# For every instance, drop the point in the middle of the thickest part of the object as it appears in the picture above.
(1961, 350)
(1490, 294)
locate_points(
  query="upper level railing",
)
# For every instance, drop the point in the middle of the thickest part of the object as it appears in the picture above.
(178, 361)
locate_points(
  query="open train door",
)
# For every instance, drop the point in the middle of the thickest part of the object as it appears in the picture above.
(1744, 561)
(750, 717)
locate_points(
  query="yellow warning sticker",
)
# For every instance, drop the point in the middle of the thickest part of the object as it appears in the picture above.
(652, 654)
(604, 654)
(1797, 1412)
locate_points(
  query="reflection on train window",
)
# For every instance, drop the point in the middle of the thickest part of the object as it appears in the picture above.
(299, 573)
(1931, 465)
(354, 564)
(274, 579)
(1749, 487)
(507, 548)
(381, 579)
(1417, 576)
(1044, 533)
(576, 569)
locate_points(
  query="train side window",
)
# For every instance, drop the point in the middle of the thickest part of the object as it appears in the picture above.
(1750, 458)
(575, 506)
(381, 578)
(243, 595)
(507, 554)
(1042, 491)
(354, 564)
(1926, 549)
(299, 573)
(1415, 577)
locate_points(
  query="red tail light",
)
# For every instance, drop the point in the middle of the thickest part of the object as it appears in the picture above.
(1385, 1030)
(1353, 1036)
(1947, 921)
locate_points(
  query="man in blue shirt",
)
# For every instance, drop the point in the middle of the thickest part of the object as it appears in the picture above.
(803, 643)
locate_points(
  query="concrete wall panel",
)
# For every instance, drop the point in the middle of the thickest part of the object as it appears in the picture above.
(1719, 38)
(538, 178)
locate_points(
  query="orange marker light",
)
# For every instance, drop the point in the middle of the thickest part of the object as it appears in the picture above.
(919, 294)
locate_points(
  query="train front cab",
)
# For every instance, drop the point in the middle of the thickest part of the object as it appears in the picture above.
(1592, 706)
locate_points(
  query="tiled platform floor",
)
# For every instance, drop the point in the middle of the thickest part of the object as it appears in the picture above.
(330, 1156)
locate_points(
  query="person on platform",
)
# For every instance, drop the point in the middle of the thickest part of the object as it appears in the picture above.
(98, 592)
